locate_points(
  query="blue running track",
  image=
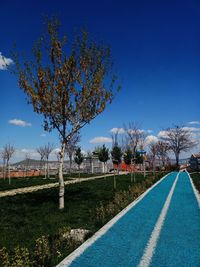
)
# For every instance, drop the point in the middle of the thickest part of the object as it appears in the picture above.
(123, 245)
(179, 242)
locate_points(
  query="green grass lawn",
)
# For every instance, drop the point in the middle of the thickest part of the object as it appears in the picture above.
(24, 182)
(31, 181)
(196, 180)
(24, 218)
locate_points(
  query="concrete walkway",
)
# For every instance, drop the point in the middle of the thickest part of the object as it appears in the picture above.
(161, 228)
(30, 189)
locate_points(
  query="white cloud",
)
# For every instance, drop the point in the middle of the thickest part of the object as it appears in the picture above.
(194, 122)
(117, 130)
(192, 129)
(135, 131)
(83, 152)
(5, 62)
(100, 139)
(20, 123)
(43, 135)
(122, 131)
(162, 134)
(150, 139)
(21, 154)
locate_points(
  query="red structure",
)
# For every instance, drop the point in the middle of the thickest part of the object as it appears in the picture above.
(124, 167)
(17, 174)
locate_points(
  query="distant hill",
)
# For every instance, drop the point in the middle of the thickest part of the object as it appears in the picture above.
(32, 162)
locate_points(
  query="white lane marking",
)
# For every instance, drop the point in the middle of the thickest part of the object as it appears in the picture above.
(151, 245)
(76, 253)
(197, 195)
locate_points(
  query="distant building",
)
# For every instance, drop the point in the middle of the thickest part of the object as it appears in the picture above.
(195, 162)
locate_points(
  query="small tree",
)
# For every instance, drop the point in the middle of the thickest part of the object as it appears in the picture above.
(78, 158)
(138, 158)
(103, 156)
(116, 156)
(47, 151)
(179, 139)
(128, 156)
(71, 147)
(8, 151)
(68, 86)
(116, 159)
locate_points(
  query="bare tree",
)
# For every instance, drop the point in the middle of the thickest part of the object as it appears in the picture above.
(114, 137)
(47, 151)
(3, 156)
(41, 152)
(136, 139)
(71, 146)
(8, 151)
(162, 148)
(125, 144)
(153, 153)
(66, 85)
(134, 135)
(179, 139)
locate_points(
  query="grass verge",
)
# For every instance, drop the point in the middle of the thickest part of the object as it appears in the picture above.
(196, 180)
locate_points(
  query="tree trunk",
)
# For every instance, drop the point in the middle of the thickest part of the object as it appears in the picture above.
(134, 172)
(131, 169)
(40, 167)
(47, 167)
(70, 163)
(92, 166)
(8, 170)
(79, 172)
(114, 180)
(4, 172)
(144, 169)
(153, 163)
(177, 160)
(61, 180)
(163, 162)
(45, 170)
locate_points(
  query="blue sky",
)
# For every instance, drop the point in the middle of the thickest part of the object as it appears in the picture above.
(156, 49)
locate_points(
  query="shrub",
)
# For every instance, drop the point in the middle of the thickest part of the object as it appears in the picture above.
(4, 257)
(121, 199)
(20, 258)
